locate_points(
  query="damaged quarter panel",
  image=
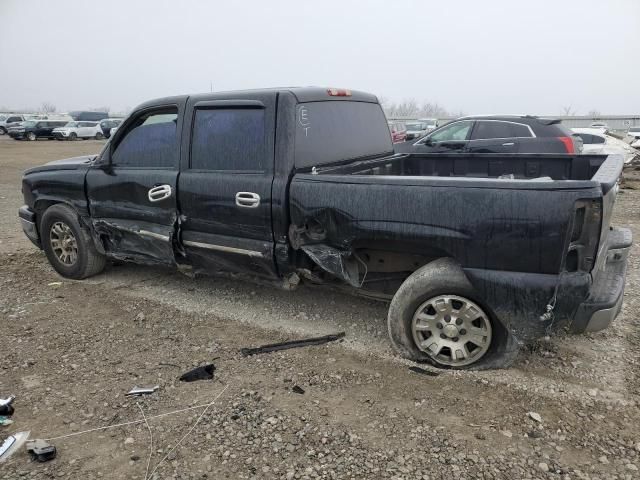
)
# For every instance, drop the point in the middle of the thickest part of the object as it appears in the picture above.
(510, 241)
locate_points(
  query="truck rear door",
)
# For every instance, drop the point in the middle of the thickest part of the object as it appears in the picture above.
(225, 183)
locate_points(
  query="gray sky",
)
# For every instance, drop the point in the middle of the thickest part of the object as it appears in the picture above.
(489, 56)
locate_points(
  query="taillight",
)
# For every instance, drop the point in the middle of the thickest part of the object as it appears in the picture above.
(568, 144)
(338, 92)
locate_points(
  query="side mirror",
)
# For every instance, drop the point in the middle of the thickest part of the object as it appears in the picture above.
(428, 141)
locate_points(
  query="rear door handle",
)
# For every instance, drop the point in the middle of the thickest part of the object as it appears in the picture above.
(247, 199)
(508, 144)
(159, 192)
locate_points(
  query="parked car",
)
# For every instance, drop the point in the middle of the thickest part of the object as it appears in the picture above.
(432, 123)
(76, 130)
(600, 125)
(595, 141)
(477, 253)
(34, 129)
(88, 116)
(497, 134)
(634, 131)
(398, 131)
(10, 121)
(416, 130)
(108, 124)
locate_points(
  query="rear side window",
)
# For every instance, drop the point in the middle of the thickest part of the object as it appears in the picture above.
(486, 130)
(14, 119)
(597, 139)
(228, 140)
(149, 142)
(520, 130)
(334, 131)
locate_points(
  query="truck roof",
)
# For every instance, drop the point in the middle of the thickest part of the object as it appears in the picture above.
(302, 94)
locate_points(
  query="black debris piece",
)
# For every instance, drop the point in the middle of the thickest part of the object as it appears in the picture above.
(274, 347)
(297, 389)
(204, 372)
(423, 371)
(41, 450)
(6, 409)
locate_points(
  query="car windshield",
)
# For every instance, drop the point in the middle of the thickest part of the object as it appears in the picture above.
(71, 125)
(416, 126)
(3, 117)
(29, 123)
(634, 129)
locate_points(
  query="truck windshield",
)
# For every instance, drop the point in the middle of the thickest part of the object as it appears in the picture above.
(334, 131)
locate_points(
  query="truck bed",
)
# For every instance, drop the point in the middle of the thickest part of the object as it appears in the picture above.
(504, 167)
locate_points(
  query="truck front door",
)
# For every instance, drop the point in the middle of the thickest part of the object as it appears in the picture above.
(225, 185)
(132, 188)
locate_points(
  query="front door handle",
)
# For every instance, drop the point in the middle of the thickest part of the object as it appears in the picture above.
(159, 192)
(247, 199)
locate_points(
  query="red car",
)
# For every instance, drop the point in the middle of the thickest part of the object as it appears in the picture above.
(398, 131)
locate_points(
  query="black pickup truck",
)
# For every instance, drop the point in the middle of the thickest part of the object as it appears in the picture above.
(477, 253)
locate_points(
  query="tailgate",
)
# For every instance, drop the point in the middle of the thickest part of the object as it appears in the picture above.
(607, 176)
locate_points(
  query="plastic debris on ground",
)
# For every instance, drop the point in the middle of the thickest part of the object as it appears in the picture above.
(40, 450)
(204, 372)
(274, 347)
(423, 371)
(12, 444)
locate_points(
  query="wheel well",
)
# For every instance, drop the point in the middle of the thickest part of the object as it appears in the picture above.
(385, 265)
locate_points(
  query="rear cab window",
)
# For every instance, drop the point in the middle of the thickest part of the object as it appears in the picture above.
(337, 131)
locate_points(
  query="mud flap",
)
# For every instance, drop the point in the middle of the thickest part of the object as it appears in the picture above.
(136, 241)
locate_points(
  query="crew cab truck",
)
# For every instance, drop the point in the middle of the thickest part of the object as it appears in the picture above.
(477, 253)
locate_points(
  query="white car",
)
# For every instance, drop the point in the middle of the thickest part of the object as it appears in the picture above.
(596, 141)
(75, 130)
(634, 132)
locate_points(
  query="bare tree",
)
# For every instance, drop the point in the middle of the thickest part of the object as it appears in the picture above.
(101, 109)
(594, 113)
(568, 111)
(47, 107)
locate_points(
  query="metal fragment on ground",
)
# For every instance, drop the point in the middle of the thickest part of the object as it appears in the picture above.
(142, 390)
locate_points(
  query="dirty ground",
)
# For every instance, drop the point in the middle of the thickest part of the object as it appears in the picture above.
(70, 351)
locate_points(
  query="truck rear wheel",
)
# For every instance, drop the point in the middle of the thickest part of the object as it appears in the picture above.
(68, 246)
(437, 317)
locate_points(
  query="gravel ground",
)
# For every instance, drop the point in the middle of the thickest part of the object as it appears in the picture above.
(70, 351)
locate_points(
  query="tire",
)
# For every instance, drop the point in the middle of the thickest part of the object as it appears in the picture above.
(460, 333)
(73, 136)
(3, 131)
(99, 136)
(61, 236)
(31, 136)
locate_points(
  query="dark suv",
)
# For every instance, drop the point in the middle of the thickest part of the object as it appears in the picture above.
(497, 134)
(34, 129)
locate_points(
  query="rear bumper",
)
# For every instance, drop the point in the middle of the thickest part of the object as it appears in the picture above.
(28, 221)
(605, 296)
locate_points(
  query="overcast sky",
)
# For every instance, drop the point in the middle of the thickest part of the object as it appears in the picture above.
(489, 56)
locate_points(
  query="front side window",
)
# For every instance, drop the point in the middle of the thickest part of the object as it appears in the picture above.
(14, 119)
(149, 142)
(455, 132)
(228, 140)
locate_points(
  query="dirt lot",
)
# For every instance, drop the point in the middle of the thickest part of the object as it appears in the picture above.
(70, 350)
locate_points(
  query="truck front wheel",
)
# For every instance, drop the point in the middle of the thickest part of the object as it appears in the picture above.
(68, 246)
(436, 317)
